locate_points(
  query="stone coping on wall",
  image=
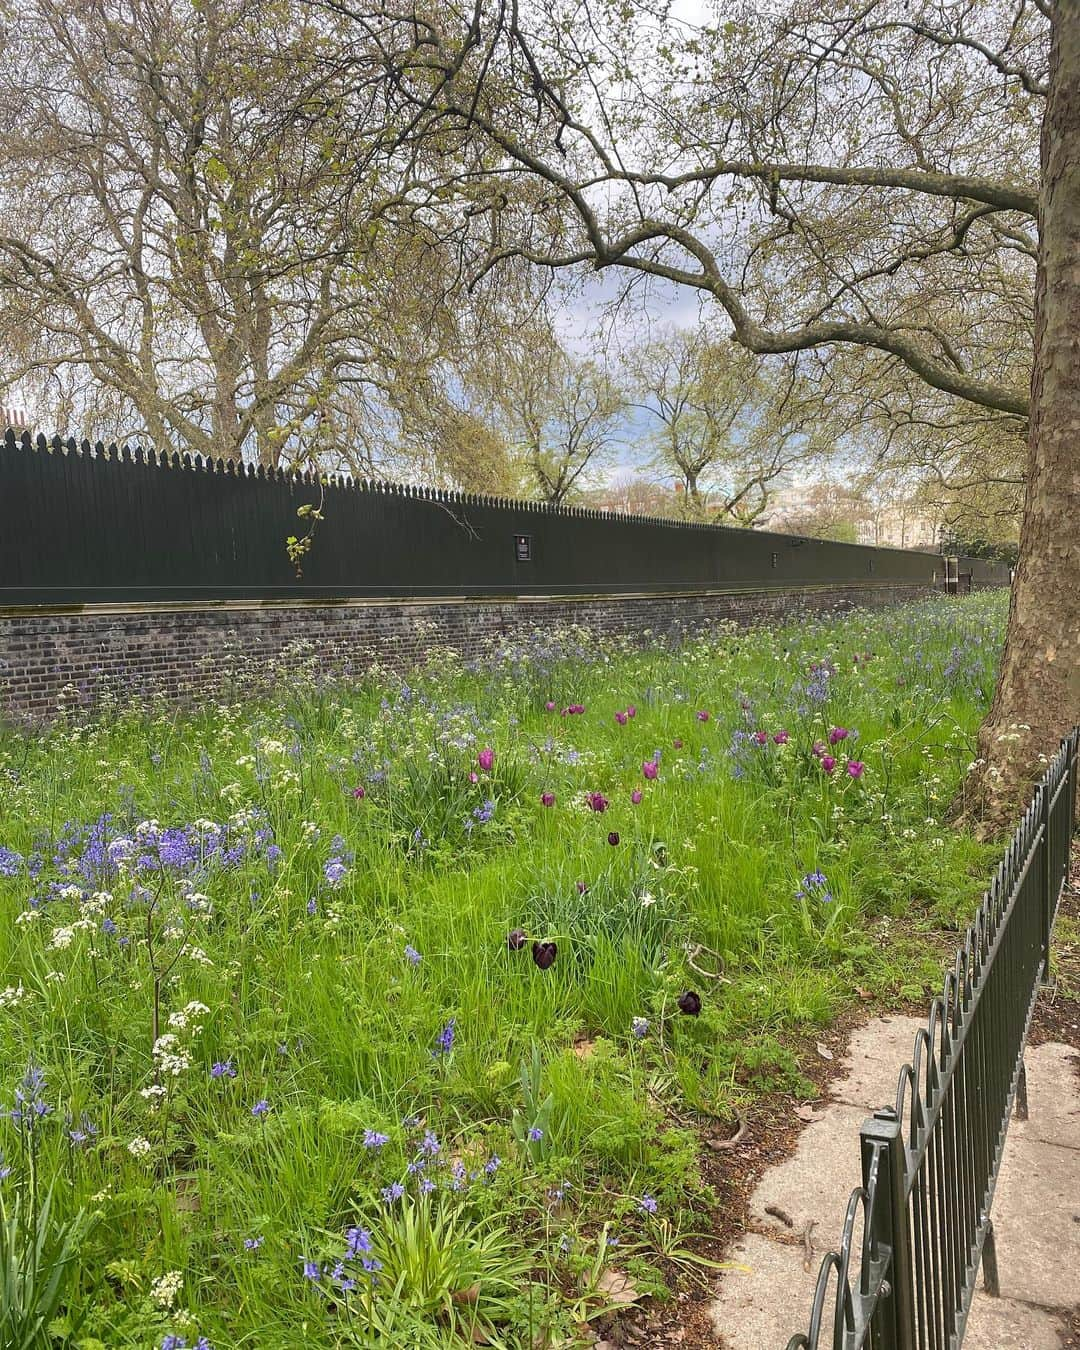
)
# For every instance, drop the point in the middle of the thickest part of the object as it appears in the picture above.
(371, 601)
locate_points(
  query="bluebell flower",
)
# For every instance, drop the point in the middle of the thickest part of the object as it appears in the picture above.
(260, 1108)
(444, 1042)
(373, 1139)
(412, 955)
(10, 862)
(357, 1240)
(335, 871)
(392, 1192)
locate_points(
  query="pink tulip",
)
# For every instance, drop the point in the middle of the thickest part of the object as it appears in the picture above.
(828, 763)
(631, 711)
(474, 777)
(486, 758)
(547, 798)
(549, 706)
(762, 737)
(635, 796)
(856, 768)
(359, 792)
(819, 748)
(702, 716)
(620, 717)
(650, 768)
(782, 737)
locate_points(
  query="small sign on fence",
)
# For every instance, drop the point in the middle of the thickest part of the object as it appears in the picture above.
(523, 547)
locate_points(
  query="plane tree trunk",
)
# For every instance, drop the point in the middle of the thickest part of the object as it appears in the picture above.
(1038, 692)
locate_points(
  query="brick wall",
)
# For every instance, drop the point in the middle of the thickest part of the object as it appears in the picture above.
(54, 658)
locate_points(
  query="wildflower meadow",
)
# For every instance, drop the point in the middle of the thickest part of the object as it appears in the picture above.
(388, 1011)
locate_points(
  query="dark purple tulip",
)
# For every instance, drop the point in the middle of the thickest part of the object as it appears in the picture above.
(613, 838)
(516, 939)
(547, 798)
(690, 1003)
(544, 954)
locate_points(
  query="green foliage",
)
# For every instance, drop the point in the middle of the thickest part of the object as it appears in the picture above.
(439, 1264)
(341, 1000)
(38, 1257)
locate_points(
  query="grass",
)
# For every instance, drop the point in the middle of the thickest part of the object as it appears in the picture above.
(258, 975)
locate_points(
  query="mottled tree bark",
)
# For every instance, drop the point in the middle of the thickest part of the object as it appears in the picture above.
(1038, 692)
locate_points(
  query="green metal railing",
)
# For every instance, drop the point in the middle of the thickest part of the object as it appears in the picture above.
(919, 1226)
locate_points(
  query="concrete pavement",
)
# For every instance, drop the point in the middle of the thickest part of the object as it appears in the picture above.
(1036, 1209)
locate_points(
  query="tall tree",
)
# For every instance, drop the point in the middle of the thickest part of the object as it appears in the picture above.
(725, 423)
(864, 174)
(561, 412)
(202, 237)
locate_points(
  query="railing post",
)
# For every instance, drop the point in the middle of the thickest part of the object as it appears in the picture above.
(1021, 1092)
(1047, 855)
(882, 1141)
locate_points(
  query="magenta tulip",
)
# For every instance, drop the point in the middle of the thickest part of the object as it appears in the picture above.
(486, 758)
(635, 796)
(547, 798)
(650, 768)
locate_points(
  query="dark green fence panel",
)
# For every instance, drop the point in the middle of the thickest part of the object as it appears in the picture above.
(84, 524)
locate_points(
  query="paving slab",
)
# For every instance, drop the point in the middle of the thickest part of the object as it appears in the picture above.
(1036, 1208)
(765, 1307)
(1007, 1324)
(1036, 1213)
(871, 1067)
(1053, 1098)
